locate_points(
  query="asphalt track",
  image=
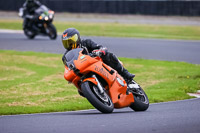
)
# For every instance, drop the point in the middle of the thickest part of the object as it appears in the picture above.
(171, 117)
(157, 49)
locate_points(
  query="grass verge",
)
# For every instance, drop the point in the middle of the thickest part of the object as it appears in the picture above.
(120, 30)
(33, 82)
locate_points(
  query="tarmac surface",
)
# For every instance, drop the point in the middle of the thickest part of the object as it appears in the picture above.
(156, 49)
(170, 117)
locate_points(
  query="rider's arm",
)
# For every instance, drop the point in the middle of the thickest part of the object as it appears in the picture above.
(38, 3)
(90, 45)
(93, 47)
(24, 7)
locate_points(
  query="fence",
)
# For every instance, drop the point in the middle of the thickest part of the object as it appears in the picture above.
(144, 7)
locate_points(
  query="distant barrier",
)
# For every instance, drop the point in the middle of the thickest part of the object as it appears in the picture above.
(144, 7)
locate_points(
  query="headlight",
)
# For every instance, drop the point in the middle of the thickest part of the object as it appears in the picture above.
(46, 18)
(40, 17)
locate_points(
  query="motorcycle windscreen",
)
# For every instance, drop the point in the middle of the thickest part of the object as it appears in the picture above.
(41, 9)
(71, 56)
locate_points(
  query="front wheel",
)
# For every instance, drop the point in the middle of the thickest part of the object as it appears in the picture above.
(100, 101)
(52, 31)
(141, 101)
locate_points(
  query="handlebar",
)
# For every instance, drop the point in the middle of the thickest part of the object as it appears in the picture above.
(85, 51)
(92, 55)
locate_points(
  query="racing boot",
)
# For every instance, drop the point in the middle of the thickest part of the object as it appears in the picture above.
(132, 86)
(127, 75)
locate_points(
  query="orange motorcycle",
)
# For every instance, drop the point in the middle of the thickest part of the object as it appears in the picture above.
(103, 87)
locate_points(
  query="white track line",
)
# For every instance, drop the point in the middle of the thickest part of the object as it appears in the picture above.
(10, 31)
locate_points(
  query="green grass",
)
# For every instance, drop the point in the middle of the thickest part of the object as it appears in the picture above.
(33, 82)
(120, 30)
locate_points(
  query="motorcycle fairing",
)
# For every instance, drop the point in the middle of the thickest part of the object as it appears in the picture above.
(87, 64)
(91, 79)
(119, 97)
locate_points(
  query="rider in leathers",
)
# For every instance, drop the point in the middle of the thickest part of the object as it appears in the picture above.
(71, 40)
(29, 8)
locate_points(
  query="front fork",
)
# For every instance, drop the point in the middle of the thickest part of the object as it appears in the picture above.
(98, 84)
(46, 28)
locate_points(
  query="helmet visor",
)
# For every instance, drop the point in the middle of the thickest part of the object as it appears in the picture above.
(70, 42)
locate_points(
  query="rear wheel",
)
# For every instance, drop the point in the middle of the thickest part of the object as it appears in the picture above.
(100, 101)
(141, 101)
(29, 33)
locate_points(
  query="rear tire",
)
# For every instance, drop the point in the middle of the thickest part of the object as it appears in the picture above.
(141, 102)
(102, 103)
(30, 34)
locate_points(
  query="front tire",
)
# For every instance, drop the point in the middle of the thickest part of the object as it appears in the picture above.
(52, 32)
(141, 101)
(102, 102)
